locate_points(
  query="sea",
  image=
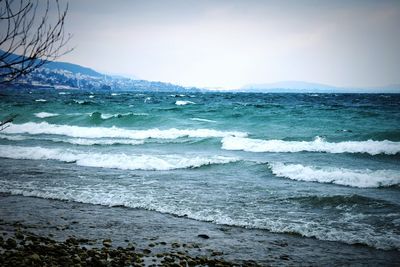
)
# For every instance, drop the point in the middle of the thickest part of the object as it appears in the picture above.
(319, 166)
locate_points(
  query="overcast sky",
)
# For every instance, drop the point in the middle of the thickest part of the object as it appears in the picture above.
(233, 43)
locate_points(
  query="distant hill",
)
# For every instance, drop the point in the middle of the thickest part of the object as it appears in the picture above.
(74, 68)
(54, 65)
(309, 87)
(63, 75)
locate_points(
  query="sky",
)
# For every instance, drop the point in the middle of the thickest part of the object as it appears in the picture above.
(229, 44)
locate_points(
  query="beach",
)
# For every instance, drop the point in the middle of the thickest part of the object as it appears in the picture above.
(157, 236)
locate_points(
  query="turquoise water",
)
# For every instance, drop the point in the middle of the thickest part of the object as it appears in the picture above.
(318, 165)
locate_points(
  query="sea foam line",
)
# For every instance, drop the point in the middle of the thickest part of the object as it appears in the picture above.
(75, 141)
(114, 132)
(202, 120)
(114, 161)
(45, 114)
(183, 102)
(118, 195)
(355, 178)
(318, 145)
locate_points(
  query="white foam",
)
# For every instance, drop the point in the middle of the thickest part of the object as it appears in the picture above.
(356, 178)
(41, 100)
(113, 132)
(91, 96)
(116, 161)
(182, 102)
(113, 194)
(200, 119)
(13, 137)
(75, 141)
(90, 142)
(63, 93)
(106, 116)
(318, 145)
(45, 115)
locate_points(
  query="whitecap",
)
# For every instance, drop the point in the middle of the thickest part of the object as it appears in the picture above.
(75, 141)
(45, 114)
(183, 103)
(115, 132)
(202, 120)
(115, 161)
(355, 178)
(13, 137)
(318, 145)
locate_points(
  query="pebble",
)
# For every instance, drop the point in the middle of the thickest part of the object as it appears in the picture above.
(107, 242)
(204, 236)
(43, 251)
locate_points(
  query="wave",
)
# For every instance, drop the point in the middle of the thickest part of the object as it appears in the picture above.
(41, 100)
(45, 114)
(202, 120)
(115, 195)
(318, 145)
(75, 141)
(114, 161)
(183, 103)
(342, 202)
(91, 142)
(113, 132)
(107, 116)
(13, 137)
(83, 102)
(355, 178)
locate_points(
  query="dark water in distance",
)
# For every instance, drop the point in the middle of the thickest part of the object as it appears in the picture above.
(318, 165)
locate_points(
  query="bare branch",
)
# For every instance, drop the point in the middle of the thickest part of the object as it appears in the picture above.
(30, 34)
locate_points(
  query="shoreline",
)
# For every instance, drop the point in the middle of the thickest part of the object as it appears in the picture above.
(156, 234)
(23, 248)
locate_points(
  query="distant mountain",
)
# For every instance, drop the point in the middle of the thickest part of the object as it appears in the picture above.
(290, 86)
(55, 65)
(63, 75)
(73, 68)
(308, 87)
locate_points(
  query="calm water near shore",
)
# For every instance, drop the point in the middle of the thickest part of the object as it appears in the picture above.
(321, 167)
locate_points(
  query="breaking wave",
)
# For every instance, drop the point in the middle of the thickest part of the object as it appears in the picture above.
(202, 120)
(355, 178)
(182, 102)
(45, 115)
(318, 145)
(116, 195)
(107, 116)
(115, 161)
(75, 141)
(114, 132)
